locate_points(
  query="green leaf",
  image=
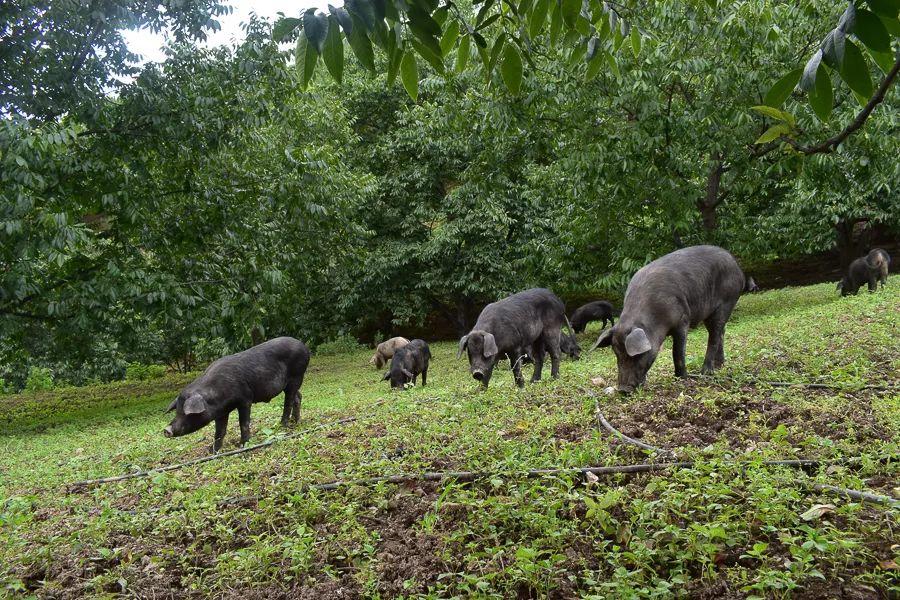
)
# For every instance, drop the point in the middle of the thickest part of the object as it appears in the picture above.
(394, 57)
(284, 27)
(361, 45)
(524, 5)
(483, 12)
(593, 68)
(462, 53)
(556, 23)
(315, 27)
(333, 52)
(892, 24)
(821, 97)
(449, 37)
(613, 65)
(343, 18)
(511, 68)
(635, 40)
(778, 115)
(495, 54)
(783, 88)
(808, 80)
(593, 45)
(538, 18)
(871, 31)
(433, 58)
(833, 49)
(773, 133)
(885, 8)
(306, 58)
(409, 74)
(570, 10)
(884, 60)
(421, 20)
(364, 10)
(856, 72)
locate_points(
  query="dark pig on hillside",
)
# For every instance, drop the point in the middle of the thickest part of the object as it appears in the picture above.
(869, 269)
(524, 324)
(669, 296)
(568, 345)
(406, 364)
(601, 310)
(237, 381)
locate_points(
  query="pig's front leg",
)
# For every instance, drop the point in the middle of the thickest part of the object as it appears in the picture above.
(244, 418)
(221, 425)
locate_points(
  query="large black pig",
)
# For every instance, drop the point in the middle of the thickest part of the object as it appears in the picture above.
(406, 364)
(669, 296)
(237, 381)
(520, 325)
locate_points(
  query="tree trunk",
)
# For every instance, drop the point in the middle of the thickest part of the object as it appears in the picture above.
(852, 240)
(707, 205)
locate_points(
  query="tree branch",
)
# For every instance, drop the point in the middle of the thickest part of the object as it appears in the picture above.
(831, 143)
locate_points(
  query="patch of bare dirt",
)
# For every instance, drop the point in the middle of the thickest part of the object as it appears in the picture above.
(409, 558)
(681, 421)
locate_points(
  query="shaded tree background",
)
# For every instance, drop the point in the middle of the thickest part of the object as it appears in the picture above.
(216, 200)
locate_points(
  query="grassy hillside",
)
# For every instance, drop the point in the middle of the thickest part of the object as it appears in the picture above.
(243, 526)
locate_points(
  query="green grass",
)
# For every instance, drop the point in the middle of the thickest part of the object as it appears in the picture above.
(715, 530)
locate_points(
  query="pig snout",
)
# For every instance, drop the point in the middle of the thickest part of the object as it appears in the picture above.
(168, 431)
(478, 374)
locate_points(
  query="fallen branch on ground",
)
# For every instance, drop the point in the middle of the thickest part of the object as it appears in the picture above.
(469, 476)
(608, 426)
(79, 485)
(813, 386)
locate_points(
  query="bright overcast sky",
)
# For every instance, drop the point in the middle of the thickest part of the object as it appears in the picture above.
(149, 45)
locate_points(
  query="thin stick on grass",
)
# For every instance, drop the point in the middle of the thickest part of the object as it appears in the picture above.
(470, 476)
(608, 426)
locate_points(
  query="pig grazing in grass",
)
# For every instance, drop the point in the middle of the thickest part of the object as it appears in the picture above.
(869, 269)
(521, 325)
(671, 295)
(880, 262)
(385, 351)
(600, 310)
(237, 381)
(407, 363)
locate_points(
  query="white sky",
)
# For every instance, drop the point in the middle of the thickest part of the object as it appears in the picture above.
(149, 45)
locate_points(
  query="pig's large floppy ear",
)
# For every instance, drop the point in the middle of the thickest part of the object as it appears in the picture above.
(407, 373)
(462, 345)
(604, 340)
(490, 345)
(637, 342)
(173, 405)
(194, 405)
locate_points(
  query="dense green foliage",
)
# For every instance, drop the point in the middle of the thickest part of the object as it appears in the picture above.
(228, 195)
(715, 530)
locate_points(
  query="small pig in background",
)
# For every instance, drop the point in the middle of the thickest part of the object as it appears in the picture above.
(385, 351)
(869, 269)
(407, 363)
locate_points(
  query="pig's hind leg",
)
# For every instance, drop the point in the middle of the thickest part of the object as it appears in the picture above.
(292, 399)
(244, 419)
(715, 346)
(679, 350)
(537, 354)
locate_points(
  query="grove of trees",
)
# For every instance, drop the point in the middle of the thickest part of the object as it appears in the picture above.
(348, 174)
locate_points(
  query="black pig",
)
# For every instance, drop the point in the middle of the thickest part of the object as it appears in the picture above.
(568, 345)
(518, 326)
(237, 381)
(880, 261)
(869, 270)
(674, 293)
(593, 311)
(406, 364)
